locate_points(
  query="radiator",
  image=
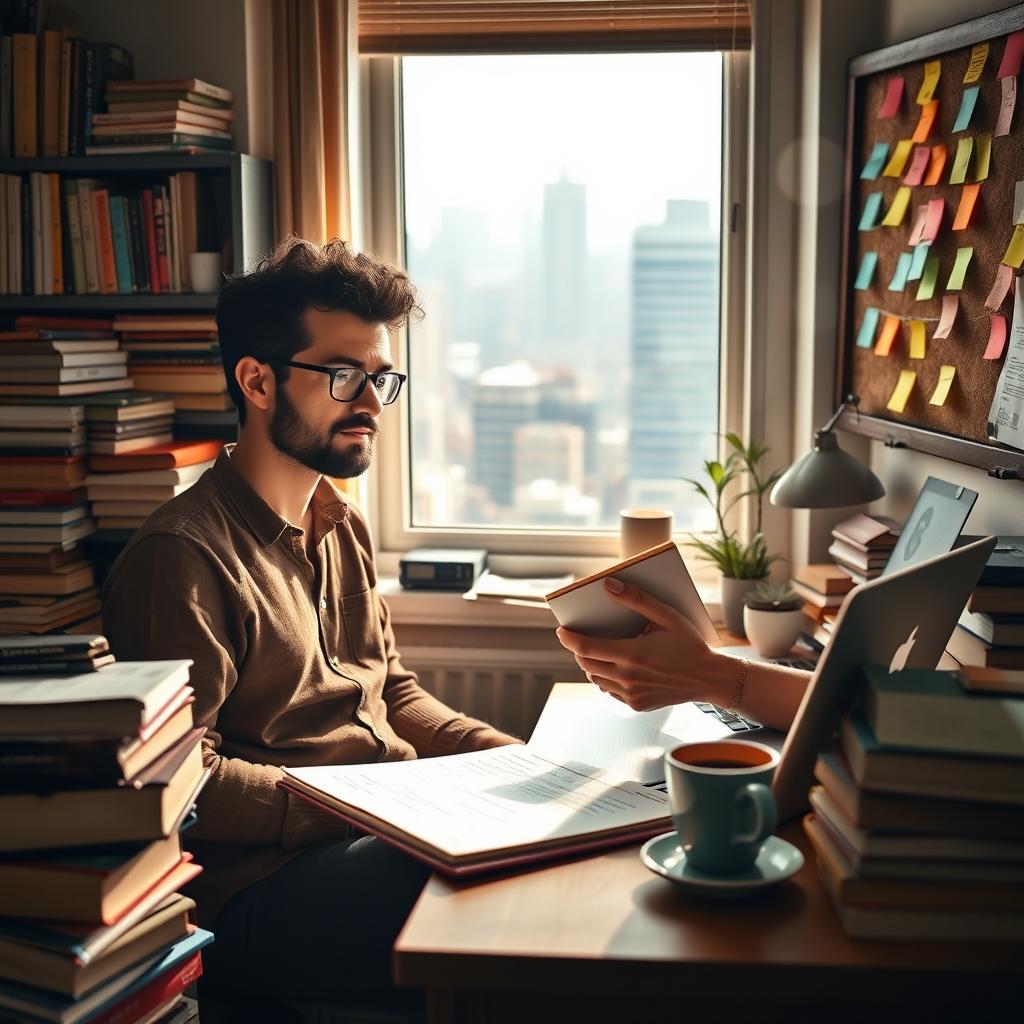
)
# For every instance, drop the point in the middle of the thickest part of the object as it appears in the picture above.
(506, 688)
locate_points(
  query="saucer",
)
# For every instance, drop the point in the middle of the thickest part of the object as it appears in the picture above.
(777, 861)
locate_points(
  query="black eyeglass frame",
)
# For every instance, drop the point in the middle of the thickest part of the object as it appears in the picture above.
(332, 370)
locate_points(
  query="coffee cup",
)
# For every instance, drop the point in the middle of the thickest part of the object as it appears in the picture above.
(722, 806)
(204, 271)
(643, 528)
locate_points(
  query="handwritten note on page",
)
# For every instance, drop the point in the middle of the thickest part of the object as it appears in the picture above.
(1006, 415)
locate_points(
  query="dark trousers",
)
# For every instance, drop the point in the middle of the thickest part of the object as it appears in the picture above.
(320, 929)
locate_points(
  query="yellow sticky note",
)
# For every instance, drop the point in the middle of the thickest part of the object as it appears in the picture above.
(979, 54)
(1015, 250)
(983, 151)
(917, 339)
(958, 175)
(899, 158)
(898, 210)
(932, 70)
(946, 375)
(900, 394)
(927, 119)
(956, 275)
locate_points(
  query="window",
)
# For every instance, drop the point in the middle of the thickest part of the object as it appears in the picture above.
(560, 215)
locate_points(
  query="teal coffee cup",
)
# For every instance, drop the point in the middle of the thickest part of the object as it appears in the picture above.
(722, 804)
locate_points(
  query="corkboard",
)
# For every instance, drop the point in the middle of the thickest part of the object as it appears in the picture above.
(873, 377)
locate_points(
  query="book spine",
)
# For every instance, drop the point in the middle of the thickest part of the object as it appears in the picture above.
(89, 247)
(90, 89)
(27, 239)
(76, 145)
(149, 227)
(65, 93)
(25, 74)
(14, 233)
(160, 225)
(174, 221)
(75, 235)
(4, 251)
(53, 182)
(141, 1002)
(38, 279)
(6, 99)
(49, 93)
(140, 259)
(105, 241)
(122, 252)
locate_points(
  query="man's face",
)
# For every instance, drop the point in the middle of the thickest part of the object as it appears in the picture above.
(333, 438)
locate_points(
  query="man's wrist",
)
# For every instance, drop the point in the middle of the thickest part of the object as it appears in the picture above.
(727, 674)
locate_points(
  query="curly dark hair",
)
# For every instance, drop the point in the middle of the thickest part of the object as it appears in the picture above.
(259, 314)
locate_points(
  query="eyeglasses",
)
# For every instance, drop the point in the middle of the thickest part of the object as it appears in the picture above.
(349, 382)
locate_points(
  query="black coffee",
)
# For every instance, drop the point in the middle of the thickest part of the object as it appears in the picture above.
(719, 764)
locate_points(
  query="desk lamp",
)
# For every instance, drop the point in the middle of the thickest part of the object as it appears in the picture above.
(826, 477)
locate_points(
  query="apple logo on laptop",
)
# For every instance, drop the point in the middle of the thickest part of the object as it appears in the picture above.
(899, 659)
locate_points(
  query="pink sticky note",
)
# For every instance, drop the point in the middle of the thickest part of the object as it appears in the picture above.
(950, 305)
(933, 221)
(1009, 101)
(893, 95)
(919, 161)
(996, 337)
(1012, 56)
(1001, 285)
(919, 221)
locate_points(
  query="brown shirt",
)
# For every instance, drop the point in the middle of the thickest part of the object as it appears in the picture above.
(295, 663)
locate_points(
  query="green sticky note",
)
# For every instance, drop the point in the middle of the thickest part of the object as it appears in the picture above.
(899, 277)
(917, 263)
(956, 276)
(872, 207)
(926, 289)
(983, 157)
(867, 271)
(958, 175)
(967, 105)
(873, 168)
(868, 326)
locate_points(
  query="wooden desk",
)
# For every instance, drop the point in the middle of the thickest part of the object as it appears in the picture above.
(602, 939)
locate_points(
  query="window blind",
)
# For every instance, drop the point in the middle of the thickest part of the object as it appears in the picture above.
(399, 27)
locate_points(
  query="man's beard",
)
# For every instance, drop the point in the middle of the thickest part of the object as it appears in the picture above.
(293, 437)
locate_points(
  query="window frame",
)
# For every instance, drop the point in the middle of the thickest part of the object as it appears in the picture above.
(386, 492)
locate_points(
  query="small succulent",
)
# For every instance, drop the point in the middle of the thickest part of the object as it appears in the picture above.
(773, 597)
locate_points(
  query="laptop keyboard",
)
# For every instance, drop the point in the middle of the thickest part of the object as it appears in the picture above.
(807, 664)
(737, 723)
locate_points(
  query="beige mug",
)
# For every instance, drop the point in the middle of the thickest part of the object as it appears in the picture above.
(204, 270)
(643, 528)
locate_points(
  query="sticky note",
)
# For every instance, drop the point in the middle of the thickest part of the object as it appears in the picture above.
(893, 95)
(933, 221)
(898, 401)
(967, 104)
(960, 265)
(950, 305)
(968, 197)
(925, 121)
(1001, 285)
(1012, 54)
(932, 70)
(918, 261)
(1018, 203)
(958, 175)
(920, 219)
(979, 54)
(873, 167)
(899, 277)
(1006, 106)
(983, 156)
(996, 336)
(936, 165)
(867, 271)
(1014, 255)
(917, 339)
(898, 210)
(866, 334)
(918, 164)
(926, 289)
(898, 160)
(946, 375)
(872, 206)
(888, 335)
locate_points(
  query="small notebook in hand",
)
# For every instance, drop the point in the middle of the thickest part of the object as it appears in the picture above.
(585, 606)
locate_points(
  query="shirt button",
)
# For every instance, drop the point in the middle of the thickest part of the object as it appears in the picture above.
(323, 603)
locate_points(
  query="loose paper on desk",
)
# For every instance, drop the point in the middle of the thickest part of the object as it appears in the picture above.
(898, 160)
(918, 165)
(1009, 67)
(898, 401)
(1006, 417)
(873, 167)
(1006, 107)
(946, 375)
(950, 305)
(936, 165)
(979, 54)
(932, 70)
(864, 275)
(898, 210)
(996, 336)
(925, 122)
(967, 104)
(868, 326)
(893, 95)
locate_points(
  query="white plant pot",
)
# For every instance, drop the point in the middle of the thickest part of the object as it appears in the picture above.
(733, 592)
(772, 634)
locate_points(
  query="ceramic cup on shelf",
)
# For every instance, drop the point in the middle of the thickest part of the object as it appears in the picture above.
(205, 271)
(643, 528)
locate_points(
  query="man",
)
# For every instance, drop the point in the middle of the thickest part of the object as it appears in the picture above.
(264, 576)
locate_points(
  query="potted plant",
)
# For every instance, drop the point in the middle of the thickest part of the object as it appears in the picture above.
(741, 564)
(773, 618)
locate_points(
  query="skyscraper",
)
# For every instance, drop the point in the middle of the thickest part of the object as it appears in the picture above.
(675, 346)
(564, 261)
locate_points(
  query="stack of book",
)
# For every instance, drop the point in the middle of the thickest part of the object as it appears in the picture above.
(861, 545)
(180, 356)
(99, 774)
(991, 629)
(163, 116)
(918, 821)
(53, 655)
(822, 587)
(127, 421)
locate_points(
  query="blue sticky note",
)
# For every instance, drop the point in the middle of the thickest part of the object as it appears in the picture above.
(867, 271)
(866, 335)
(917, 261)
(872, 208)
(873, 168)
(899, 278)
(967, 104)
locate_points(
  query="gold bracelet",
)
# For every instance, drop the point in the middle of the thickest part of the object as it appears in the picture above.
(733, 708)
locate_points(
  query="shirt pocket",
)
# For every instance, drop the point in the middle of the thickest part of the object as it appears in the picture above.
(363, 633)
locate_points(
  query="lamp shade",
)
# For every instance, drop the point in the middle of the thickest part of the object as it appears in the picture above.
(826, 477)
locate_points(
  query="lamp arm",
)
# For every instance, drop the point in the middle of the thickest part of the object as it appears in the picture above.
(850, 400)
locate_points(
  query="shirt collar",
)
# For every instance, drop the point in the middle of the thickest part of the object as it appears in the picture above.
(329, 508)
